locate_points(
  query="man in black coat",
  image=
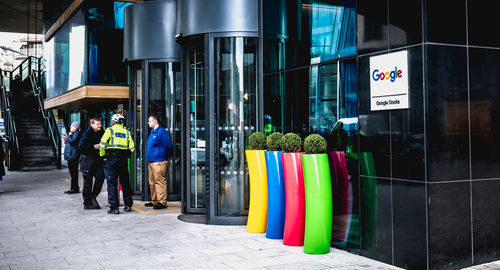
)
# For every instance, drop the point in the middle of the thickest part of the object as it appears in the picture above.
(91, 164)
(72, 155)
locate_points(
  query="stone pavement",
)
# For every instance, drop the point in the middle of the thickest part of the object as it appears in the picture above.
(43, 228)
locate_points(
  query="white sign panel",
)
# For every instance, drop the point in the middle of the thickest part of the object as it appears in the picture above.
(389, 81)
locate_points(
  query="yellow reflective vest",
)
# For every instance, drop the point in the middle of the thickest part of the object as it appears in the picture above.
(116, 137)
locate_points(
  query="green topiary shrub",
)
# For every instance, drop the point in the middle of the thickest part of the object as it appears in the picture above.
(314, 144)
(257, 141)
(291, 143)
(274, 142)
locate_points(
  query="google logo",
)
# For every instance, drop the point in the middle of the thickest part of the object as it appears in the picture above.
(376, 75)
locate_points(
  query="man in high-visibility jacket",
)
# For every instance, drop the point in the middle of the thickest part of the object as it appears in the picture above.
(115, 147)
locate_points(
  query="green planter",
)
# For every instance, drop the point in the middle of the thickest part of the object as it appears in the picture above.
(318, 194)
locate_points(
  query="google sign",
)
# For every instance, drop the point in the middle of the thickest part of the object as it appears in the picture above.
(396, 73)
(389, 81)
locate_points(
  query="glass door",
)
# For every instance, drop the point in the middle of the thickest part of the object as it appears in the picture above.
(135, 125)
(196, 163)
(164, 98)
(234, 90)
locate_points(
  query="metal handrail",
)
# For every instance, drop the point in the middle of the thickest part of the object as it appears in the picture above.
(11, 125)
(48, 117)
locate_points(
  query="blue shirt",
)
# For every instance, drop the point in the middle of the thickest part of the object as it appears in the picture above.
(158, 145)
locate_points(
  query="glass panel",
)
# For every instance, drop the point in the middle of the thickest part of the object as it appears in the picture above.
(323, 98)
(164, 79)
(138, 128)
(197, 133)
(65, 54)
(105, 42)
(273, 91)
(307, 32)
(235, 86)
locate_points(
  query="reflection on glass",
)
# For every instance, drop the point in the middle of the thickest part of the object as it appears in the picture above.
(138, 128)
(235, 69)
(105, 35)
(65, 56)
(164, 82)
(323, 98)
(197, 133)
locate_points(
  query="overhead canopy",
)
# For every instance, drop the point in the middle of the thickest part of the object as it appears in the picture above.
(15, 16)
(88, 95)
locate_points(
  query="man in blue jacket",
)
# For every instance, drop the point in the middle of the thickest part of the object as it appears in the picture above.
(157, 155)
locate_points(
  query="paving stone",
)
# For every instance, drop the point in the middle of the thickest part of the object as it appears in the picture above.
(59, 234)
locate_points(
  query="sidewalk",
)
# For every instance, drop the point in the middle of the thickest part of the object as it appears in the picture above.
(43, 228)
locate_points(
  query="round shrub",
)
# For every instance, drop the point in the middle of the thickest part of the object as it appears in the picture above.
(274, 142)
(257, 141)
(291, 143)
(314, 144)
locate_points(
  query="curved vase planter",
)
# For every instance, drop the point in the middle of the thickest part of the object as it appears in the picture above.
(293, 234)
(340, 195)
(318, 193)
(276, 195)
(257, 212)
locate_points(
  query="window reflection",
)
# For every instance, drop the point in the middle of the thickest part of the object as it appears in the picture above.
(307, 32)
(235, 86)
(65, 57)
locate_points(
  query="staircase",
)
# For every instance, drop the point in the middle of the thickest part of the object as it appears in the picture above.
(33, 138)
(36, 152)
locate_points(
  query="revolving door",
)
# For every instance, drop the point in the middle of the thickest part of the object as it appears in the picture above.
(220, 108)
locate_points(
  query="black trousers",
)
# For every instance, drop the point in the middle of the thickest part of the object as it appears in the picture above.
(91, 167)
(73, 172)
(116, 169)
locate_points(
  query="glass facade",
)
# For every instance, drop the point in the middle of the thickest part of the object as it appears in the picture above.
(87, 49)
(105, 24)
(310, 85)
(65, 57)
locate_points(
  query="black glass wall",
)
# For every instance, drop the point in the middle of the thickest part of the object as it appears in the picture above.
(436, 167)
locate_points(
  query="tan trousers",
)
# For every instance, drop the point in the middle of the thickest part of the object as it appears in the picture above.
(158, 182)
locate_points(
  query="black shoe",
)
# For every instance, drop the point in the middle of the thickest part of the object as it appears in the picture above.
(88, 206)
(95, 204)
(72, 191)
(159, 206)
(127, 208)
(149, 204)
(114, 211)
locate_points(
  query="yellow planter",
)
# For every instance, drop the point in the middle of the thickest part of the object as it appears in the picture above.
(257, 212)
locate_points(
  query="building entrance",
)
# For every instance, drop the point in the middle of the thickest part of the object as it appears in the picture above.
(221, 112)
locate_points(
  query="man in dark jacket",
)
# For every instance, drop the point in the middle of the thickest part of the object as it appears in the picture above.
(72, 155)
(157, 155)
(91, 164)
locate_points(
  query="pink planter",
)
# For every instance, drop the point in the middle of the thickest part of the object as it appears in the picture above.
(293, 234)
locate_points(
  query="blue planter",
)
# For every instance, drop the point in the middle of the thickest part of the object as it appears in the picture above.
(276, 195)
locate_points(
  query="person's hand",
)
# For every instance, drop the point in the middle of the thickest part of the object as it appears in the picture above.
(70, 133)
(96, 146)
